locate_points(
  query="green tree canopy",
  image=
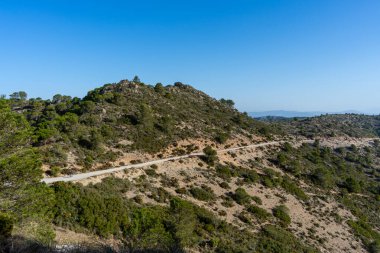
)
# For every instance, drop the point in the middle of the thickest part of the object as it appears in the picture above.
(22, 196)
(20, 95)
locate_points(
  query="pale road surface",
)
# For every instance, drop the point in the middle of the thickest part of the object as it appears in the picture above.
(82, 176)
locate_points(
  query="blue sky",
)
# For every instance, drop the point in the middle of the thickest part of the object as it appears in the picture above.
(264, 54)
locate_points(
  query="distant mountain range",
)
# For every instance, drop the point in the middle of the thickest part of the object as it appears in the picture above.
(291, 114)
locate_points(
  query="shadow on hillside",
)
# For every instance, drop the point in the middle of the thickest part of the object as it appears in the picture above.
(23, 245)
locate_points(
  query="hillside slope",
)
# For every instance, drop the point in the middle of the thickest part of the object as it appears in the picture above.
(290, 195)
(118, 118)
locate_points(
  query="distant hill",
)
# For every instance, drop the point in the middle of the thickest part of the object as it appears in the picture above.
(330, 125)
(282, 113)
(292, 114)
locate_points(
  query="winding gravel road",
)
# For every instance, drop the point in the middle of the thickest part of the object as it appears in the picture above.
(82, 176)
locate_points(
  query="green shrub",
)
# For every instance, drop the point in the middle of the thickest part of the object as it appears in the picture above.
(293, 189)
(244, 218)
(275, 239)
(205, 193)
(210, 155)
(151, 172)
(281, 213)
(352, 185)
(224, 185)
(146, 228)
(241, 196)
(287, 147)
(221, 137)
(259, 213)
(374, 247)
(55, 171)
(368, 235)
(257, 200)
(159, 88)
(266, 181)
(160, 195)
(271, 178)
(250, 176)
(227, 202)
(181, 190)
(224, 172)
(169, 181)
(322, 177)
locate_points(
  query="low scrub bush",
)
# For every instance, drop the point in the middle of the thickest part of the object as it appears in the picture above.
(281, 213)
(259, 213)
(205, 193)
(289, 186)
(241, 196)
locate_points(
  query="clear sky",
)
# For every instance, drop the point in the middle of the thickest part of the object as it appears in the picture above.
(264, 54)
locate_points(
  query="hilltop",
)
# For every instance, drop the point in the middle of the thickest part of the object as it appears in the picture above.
(79, 134)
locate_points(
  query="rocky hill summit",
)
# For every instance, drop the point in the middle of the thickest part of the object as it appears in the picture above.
(129, 116)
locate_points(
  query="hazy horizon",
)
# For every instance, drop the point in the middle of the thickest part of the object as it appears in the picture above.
(265, 55)
(287, 114)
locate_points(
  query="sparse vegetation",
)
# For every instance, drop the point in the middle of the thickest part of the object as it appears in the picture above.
(147, 211)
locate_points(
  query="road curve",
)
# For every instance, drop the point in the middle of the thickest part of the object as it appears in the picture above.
(81, 176)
